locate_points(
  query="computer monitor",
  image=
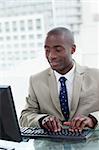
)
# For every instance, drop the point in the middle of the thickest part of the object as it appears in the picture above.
(9, 127)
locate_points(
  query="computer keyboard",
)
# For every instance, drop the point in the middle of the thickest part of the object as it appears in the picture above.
(64, 134)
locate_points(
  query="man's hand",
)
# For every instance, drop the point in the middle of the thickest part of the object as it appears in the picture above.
(51, 123)
(79, 123)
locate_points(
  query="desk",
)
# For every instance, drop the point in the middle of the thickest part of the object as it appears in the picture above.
(91, 144)
(41, 144)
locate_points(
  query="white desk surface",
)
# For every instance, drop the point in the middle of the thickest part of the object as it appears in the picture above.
(17, 146)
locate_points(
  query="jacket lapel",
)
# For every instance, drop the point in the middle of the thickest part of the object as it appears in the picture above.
(54, 91)
(76, 89)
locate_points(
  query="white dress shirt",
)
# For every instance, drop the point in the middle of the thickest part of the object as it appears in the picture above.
(69, 83)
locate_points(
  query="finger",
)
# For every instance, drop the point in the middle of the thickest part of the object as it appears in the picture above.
(83, 124)
(79, 122)
(46, 123)
(46, 126)
(67, 123)
(57, 125)
(52, 124)
(73, 122)
(73, 130)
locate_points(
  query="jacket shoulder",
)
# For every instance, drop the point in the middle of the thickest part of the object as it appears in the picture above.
(92, 71)
(87, 70)
(41, 75)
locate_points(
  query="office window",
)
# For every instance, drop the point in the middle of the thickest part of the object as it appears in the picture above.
(8, 46)
(0, 27)
(9, 52)
(22, 25)
(23, 37)
(7, 26)
(40, 45)
(2, 59)
(38, 23)
(31, 36)
(39, 36)
(8, 38)
(16, 45)
(15, 37)
(24, 45)
(2, 52)
(31, 44)
(14, 26)
(1, 38)
(17, 52)
(30, 24)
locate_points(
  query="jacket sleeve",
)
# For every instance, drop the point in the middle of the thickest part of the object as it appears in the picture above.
(31, 113)
(96, 116)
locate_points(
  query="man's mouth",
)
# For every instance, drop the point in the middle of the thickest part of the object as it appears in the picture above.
(54, 63)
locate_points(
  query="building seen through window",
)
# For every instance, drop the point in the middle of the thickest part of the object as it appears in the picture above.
(23, 26)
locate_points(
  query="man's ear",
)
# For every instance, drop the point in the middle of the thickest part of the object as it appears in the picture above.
(73, 49)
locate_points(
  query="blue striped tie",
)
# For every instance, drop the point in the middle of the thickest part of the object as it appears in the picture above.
(64, 98)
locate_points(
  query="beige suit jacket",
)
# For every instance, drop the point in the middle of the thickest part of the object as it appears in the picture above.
(43, 96)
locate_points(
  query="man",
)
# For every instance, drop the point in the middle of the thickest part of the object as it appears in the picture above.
(43, 107)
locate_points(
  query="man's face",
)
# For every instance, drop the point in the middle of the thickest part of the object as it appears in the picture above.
(58, 51)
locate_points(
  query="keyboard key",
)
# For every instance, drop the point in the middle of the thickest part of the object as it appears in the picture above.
(64, 134)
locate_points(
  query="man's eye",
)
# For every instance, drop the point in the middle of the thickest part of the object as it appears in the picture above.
(58, 49)
(47, 50)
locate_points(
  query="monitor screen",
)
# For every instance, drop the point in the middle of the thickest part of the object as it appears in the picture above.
(9, 127)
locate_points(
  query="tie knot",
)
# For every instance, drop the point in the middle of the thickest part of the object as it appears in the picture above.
(62, 79)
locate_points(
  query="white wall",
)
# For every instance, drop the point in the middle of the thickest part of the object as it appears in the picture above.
(90, 34)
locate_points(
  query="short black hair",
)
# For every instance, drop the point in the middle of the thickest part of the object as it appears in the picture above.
(62, 30)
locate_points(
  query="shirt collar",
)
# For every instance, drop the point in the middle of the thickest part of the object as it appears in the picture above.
(69, 75)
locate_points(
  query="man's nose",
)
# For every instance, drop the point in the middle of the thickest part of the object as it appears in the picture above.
(52, 53)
